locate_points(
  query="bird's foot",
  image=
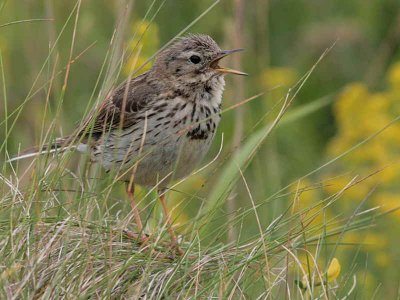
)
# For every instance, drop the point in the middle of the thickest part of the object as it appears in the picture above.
(141, 238)
(177, 250)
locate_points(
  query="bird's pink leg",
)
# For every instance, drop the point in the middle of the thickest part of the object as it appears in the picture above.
(168, 222)
(130, 190)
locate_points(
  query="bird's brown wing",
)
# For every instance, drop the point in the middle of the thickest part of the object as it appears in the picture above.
(121, 109)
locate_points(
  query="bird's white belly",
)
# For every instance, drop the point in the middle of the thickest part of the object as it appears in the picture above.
(170, 162)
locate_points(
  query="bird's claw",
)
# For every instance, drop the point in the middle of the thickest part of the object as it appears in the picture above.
(141, 238)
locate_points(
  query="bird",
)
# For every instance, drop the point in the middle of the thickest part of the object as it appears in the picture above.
(158, 126)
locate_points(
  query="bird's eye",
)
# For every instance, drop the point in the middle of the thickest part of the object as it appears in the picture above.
(195, 59)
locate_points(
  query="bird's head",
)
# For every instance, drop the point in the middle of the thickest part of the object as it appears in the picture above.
(194, 58)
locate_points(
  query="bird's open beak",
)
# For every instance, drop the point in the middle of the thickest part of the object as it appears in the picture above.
(222, 54)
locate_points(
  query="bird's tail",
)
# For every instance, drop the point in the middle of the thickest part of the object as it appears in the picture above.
(59, 145)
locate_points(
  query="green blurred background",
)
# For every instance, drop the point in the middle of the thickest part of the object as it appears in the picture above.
(358, 83)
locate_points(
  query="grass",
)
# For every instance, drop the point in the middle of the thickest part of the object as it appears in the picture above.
(76, 249)
(62, 222)
(79, 250)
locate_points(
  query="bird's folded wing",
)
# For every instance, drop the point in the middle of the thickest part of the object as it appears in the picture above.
(122, 109)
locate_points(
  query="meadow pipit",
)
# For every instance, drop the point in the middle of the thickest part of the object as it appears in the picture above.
(157, 126)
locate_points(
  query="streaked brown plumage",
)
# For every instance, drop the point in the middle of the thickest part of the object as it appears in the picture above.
(158, 126)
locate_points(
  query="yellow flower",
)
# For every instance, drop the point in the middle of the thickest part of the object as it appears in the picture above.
(144, 44)
(351, 238)
(374, 241)
(337, 184)
(306, 193)
(388, 201)
(371, 241)
(307, 202)
(360, 114)
(333, 270)
(390, 174)
(351, 99)
(331, 274)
